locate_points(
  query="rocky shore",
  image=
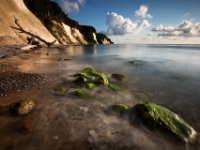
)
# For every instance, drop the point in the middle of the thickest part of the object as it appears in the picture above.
(12, 80)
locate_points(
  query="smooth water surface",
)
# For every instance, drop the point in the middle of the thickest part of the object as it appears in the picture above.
(168, 75)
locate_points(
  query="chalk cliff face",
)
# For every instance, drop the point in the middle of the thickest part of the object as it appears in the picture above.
(48, 22)
(11, 9)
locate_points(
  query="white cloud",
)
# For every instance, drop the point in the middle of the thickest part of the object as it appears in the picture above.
(150, 34)
(71, 6)
(142, 12)
(185, 29)
(186, 14)
(118, 25)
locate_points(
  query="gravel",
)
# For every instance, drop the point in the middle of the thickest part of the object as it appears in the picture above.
(17, 81)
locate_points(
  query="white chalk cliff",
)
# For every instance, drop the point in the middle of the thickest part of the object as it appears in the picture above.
(16, 9)
(11, 9)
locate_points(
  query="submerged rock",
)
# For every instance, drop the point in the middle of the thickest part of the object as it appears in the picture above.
(158, 116)
(120, 77)
(81, 94)
(101, 79)
(90, 86)
(88, 70)
(114, 87)
(81, 74)
(31, 122)
(22, 107)
(90, 74)
(61, 90)
(120, 109)
(80, 80)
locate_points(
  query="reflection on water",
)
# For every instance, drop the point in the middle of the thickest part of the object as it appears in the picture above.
(168, 75)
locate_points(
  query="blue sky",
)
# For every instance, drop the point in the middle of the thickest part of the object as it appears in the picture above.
(139, 21)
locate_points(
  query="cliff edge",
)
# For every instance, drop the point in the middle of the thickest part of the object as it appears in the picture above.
(11, 9)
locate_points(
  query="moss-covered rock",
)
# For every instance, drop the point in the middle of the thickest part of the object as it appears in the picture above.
(90, 74)
(88, 70)
(102, 79)
(61, 90)
(120, 109)
(80, 80)
(114, 87)
(90, 86)
(81, 94)
(76, 86)
(119, 77)
(85, 75)
(22, 107)
(159, 117)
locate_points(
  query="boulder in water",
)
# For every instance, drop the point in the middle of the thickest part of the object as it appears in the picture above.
(120, 109)
(119, 77)
(22, 107)
(114, 87)
(162, 118)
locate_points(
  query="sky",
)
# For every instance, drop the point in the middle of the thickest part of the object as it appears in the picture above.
(139, 21)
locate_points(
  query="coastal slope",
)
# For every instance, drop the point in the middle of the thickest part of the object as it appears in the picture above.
(11, 9)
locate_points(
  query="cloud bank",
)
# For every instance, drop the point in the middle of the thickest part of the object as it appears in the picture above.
(71, 6)
(118, 25)
(142, 12)
(185, 29)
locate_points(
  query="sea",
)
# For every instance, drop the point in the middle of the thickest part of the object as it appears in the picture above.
(168, 75)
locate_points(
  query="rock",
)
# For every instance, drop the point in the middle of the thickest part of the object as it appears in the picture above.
(67, 59)
(120, 77)
(80, 80)
(162, 118)
(61, 90)
(120, 109)
(133, 62)
(76, 86)
(90, 86)
(88, 70)
(101, 79)
(22, 107)
(30, 122)
(114, 87)
(81, 74)
(81, 94)
(91, 74)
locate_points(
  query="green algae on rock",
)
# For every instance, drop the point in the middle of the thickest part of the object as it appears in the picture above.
(90, 86)
(22, 107)
(90, 74)
(120, 109)
(120, 77)
(102, 80)
(114, 87)
(158, 116)
(88, 70)
(81, 94)
(80, 80)
(85, 75)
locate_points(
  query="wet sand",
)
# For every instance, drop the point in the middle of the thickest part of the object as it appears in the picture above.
(66, 121)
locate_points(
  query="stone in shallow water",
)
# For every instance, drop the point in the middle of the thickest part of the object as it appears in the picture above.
(61, 90)
(22, 107)
(120, 77)
(114, 87)
(158, 116)
(90, 86)
(31, 122)
(80, 80)
(120, 109)
(81, 94)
